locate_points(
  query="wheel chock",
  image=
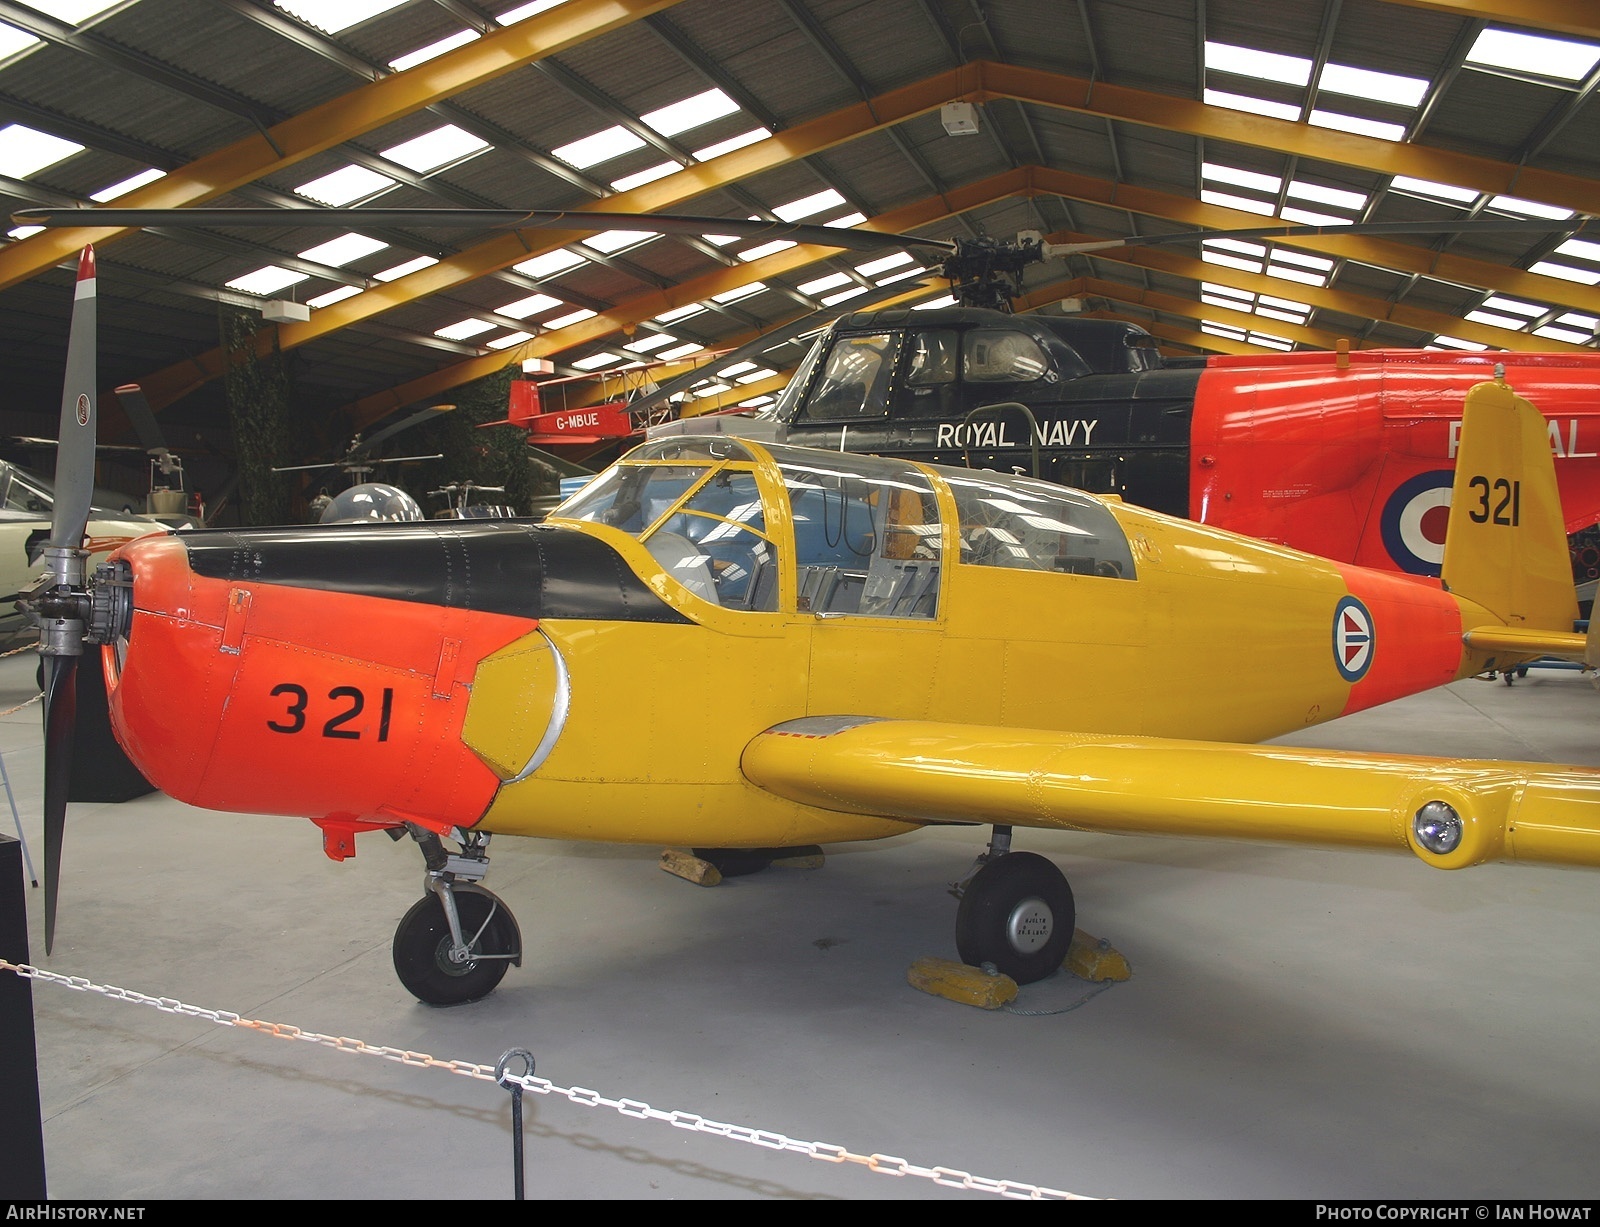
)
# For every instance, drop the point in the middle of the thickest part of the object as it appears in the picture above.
(1092, 958)
(962, 983)
(689, 867)
(797, 858)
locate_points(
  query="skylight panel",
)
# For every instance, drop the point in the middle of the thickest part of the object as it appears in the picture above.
(73, 12)
(1497, 320)
(510, 339)
(610, 241)
(679, 313)
(530, 305)
(1222, 330)
(755, 402)
(843, 295)
(1374, 86)
(1443, 342)
(1298, 275)
(680, 351)
(1435, 191)
(25, 151)
(268, 280)
(1224, 260)
(757, 375)
(524, 11)
(901, 275)
(1241, 178)
(882, 265)
(1527, 208)
(601, 147)
(1239, 245)
(1226, 291)
(401, 270)
(712, 389)
(738, 368)
(1216, 300)
(831, 282)
(1567, 272)
(691, 112)
(13, 40)
(1265, 65)
(848, 220)
(333, 296)
(732, 143)
(949, 300)
(1308, 217)
(1337, 197)
(1578, 319)
(1270, 341)
(331, 16)
(809, 206)
(462, 329)
(1288, 317)
(1537, 54)
(650, 341)
(1228, 200)
(344, 186)
(551, 263)
(1556, 333)
(1582, 248)
(1294, 257)
(1361, 127)
(595, 361)
(649, 175)
(127, 185)
(766, 249)
(1496, 302)
(1255, 106)
(572, 317)
(434, 149)
(743, 291)
(22, 232)
(423, 54)
(342, 250)
(1286, 304)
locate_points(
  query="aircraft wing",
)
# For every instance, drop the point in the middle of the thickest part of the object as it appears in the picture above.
(923, 771)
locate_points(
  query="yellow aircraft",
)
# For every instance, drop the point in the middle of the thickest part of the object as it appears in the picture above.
(727, 645)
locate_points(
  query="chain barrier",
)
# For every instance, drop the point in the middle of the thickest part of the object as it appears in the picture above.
(883, 1165)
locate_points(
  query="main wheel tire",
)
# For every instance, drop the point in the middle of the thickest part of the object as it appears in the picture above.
(1017, 913)
(736, 862)
(422, 948)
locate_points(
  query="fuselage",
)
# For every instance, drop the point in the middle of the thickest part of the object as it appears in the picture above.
(598, 676)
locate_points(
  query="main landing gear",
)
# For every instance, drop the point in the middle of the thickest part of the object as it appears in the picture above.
(457, 941)
(1016, 912)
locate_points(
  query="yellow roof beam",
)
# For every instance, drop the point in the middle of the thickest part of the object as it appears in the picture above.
(1561, 16)
(340, 119)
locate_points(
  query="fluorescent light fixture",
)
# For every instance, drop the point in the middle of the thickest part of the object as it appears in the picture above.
(1288, 317)
(755, 376)
(732, 143)
(1306, 217)
(601, 147)
(22, 232)
(681, 351)
(127, 185)
(659, 171)
(1216, 300)
(462, 329)
(525, 307)
(1253, 180)
(343, 186)
(1496, 302)
(831, 282)
(268, 280)
(338, 252)
(1294, 257)
(1443, 342)
(25, 151)
(1266, 65)
(572, 317)
(1223, 260)
(902, 275)
(848, 220)
(1567, 272)
(1582, 248)
(1286, 304)
(594, 361)
(1227, 291)
(401, 270)
(882, 265)
(678, 313)
(609, 241)
(1300, 276)
(510, 339)
(331, 16)
(743, 291)
(1527, 208)
(712, 389)
(1536, 54)
(1374, 86)
(73, 12)
(1244, 248)
(809, 206)
(1228, 200)
(844, 295)
(1497, 320)
(333, 296)
(1222, 330)
(1270, 341)
(434, 149)
(755, 402)
(1255, 106)
(423, 54)
(766, 249)
(1579, 320)
(1337, 197)
(1564, 334)
(13, 40)
(690, 113)
(1361, 127)
(524, 11)
(738, 368)
(650, 341)
(948, 300)
(551, 263)
(1436, 191)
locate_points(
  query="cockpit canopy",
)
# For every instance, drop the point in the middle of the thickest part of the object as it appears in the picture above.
(867, 536)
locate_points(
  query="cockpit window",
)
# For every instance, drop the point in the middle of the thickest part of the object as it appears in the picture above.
(868, 538)
(855, 379)
(934, 358)
(995, 355)
(716, 544)
(1035, 526)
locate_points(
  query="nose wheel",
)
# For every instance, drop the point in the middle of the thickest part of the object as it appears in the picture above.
(1017, 913)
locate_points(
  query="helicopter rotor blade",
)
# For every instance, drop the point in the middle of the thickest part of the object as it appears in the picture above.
(388, 432)
(480, 219)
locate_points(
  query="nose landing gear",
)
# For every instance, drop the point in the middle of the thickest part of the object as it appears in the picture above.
(457, 941)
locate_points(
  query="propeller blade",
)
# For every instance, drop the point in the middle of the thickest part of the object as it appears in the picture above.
(60, 718)
(480, 219)
(75, 456)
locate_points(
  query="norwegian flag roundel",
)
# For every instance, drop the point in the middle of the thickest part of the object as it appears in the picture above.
(1352, 639)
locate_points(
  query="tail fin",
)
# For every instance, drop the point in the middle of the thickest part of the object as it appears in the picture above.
(1505, 548)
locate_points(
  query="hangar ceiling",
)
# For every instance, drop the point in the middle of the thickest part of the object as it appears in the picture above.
(1094, 119)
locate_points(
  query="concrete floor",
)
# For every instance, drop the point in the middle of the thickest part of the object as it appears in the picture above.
(1299, 1024)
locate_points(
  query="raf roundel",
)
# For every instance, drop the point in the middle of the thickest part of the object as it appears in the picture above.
(1353, 639)
(1414, 518)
